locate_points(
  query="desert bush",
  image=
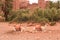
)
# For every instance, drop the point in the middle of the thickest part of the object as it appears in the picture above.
(51, 14)
(1, 14)
(2, 19)
(12, 15)
(38, 15)
(58, 15)
(52, 23)
(19, 15)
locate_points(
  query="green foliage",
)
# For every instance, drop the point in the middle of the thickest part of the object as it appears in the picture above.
(6, 8)
(38, 15)
(18, 16)
(8, 5)
(58, 15)
(51, 14)
(52, 23)
(0, 3)
(54, 4)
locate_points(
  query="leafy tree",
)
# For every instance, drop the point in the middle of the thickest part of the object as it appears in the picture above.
(54, 4)
(7, 6)
(1, 3)
(50, 4)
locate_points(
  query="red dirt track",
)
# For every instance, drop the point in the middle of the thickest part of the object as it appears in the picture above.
(7, 33)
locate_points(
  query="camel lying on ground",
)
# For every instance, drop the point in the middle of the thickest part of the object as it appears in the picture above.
(32, 28)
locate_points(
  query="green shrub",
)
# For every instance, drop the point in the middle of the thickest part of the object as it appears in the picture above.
(52, 23)
(38, 15)
(19, 15)
(58, 15)
(51, 14)
(12, 15)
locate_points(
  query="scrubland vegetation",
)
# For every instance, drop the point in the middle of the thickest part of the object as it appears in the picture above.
(50, 14)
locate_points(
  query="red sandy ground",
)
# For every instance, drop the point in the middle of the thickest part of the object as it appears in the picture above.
(7, 33)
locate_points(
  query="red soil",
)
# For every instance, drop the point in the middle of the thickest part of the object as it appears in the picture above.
(7, 33)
